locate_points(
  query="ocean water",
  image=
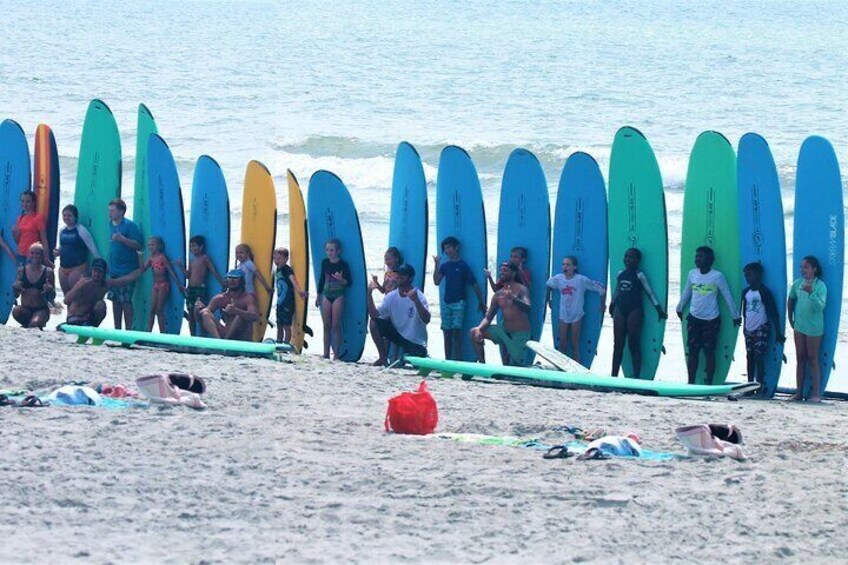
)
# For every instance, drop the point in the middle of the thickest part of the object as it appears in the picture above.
(312, 85)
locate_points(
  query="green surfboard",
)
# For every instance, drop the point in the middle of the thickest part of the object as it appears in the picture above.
(637, 218)
(560, 379)
(99, 172)
(141, 214)
(710, 217)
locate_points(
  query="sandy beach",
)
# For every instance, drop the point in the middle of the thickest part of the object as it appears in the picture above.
(290, 463)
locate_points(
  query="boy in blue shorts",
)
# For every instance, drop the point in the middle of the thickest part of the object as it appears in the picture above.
(457, 276)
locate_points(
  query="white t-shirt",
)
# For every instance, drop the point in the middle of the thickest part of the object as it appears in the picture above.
(703, 290)
(249, 270)
(571, 294)
(755, 310)
(403, 315)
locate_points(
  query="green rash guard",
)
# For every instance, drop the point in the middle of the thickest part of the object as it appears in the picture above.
(809, 307)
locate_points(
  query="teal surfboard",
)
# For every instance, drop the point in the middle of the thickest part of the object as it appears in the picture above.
(710, 217)
(98, 173)
(408, 221)
(580, 230)
(332, 214)
(820, 231)
(167, 220)
(178, 343)
(637, 218)
(524, 220)
(460, 213)
(762, 237)
(141, 214)
(15, 179)
(559, 379)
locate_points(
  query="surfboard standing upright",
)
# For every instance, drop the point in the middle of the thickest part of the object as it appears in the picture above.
(259, 231)
(763, 238)
(210, 218)
(98, 173)
(332, 214)
(408, 221)
(460, 213)
(820, 232)
(524, 219)
(15, 179)
(637, 218)
(299, 261)
(46, 182)
(580, 230)
(710, 218)
(141, 214)
(167, 220)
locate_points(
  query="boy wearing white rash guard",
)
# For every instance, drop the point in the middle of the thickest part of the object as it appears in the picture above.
(703, 285)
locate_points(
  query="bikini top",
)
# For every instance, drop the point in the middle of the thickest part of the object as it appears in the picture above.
(39, 283)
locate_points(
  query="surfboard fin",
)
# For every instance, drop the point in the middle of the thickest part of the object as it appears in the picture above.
(785, 360)
(308, 331)
(663, 350)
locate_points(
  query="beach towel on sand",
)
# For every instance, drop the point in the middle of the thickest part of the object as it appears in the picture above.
(73, 395)
(173, 388)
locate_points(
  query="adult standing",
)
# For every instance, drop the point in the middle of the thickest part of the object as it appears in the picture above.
(31, 227)
(402, 316)
(124, 258)
(75, 245)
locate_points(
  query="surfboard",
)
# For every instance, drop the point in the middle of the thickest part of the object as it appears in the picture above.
(299, 261)
(178, 343)
(408, 221)
(15, 179)
(524, 220)
(560, 379)
(559, 360)
(460, 213)
(167, 220)
(637, 218)
(820, 231)
(46, 182)
(711, 218)
(259, 231)
(98, 173)
(210, 218)
(762, 236)
(141, 214)
(332, 214)
(580, 230)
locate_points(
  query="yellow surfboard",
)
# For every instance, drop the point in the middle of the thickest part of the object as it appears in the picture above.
(259, 231)
(299, 260)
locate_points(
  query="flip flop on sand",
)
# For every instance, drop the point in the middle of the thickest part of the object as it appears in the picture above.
(558, 452)
(32, 401)
(592, 454)
(5, 400)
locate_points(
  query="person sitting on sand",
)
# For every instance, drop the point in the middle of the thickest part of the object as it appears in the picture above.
(513, 301)
(35, 285)
(85, 303)
(239, 311)
(402, 316)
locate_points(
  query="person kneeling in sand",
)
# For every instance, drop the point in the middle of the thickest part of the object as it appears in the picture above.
(85, 303)
(514, 301)
(239, 311)
(402, 316)
(35, 285)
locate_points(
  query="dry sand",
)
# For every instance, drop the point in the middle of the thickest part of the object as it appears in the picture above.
(290, 463)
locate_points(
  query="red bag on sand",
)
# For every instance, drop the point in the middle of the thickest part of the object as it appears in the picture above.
(412, 412)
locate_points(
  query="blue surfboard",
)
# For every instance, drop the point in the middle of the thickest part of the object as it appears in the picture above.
(460, 213)
(332, 214)
(580, 230)
(820, 231)
(210, 217)
(167, 220)
(524, 220)
(409, 220)
(762, 236)
(14, 179)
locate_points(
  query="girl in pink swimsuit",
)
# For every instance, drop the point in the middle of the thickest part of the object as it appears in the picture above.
(161, 266)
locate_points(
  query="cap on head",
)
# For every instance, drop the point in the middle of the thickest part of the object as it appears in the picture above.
(235, 274)
(99, 265)
(406, 270)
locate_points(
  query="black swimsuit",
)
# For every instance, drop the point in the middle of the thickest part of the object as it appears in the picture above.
(39, 284)
(629, 295)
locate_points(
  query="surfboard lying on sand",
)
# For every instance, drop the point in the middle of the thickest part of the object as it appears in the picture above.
(178, 343)
(560, 379)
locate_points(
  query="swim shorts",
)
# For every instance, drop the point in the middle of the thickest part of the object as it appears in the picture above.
(453, 315)
(515, 343)
(703, 334)
(285, 313)
(756, 341)
(195, 293)
(121, 294)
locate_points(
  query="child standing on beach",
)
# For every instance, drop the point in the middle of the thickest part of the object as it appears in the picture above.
(197, 272)
(392, 260)
(518, 257)
(628, 313)
(572, 287)
(245, 264)
(286, 284)
(457, 276)
(807, 300)
(162, 269)
(332, 283)
(703, 285)
(759, 310)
